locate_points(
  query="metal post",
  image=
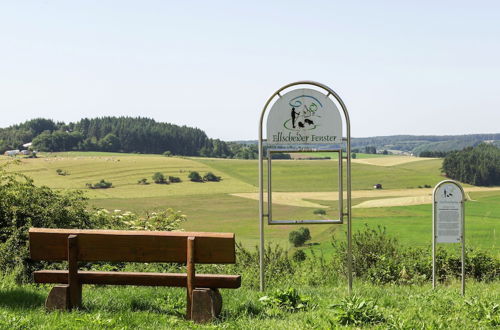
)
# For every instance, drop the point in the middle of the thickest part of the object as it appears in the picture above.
(261, 214)
(463, 246)
(433, 242)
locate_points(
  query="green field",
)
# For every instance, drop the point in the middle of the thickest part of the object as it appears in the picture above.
(210, 206)
(213, 207)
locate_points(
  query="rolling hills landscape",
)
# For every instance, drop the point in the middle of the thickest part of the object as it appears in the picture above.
(300, 187)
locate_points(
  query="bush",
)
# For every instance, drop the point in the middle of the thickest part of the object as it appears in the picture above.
(288, 300)
(195, 176)
(299, 256)
(319, 211)
(174, 179)
(24, 205)
(167, 153)
(211, 177)
(143, 181)
(299, 237)
(355, 311)
(103, 184)
(159, 178)
(61, 172)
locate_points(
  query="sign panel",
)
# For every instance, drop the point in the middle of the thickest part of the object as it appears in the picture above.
(302, 117)
(448, 199)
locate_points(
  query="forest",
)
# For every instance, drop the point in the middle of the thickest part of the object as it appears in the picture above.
(119, 134)
(478, 165)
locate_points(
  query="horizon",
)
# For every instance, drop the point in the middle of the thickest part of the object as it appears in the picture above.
(422, 69)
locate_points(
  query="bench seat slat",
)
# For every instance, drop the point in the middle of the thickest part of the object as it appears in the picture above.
(140, 278)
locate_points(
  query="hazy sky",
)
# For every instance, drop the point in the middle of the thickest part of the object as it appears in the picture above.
(401, 67)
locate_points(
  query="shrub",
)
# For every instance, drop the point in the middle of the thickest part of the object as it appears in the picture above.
(319, 211)
(61, 172)
(103, 184)
(24, 205)
(288, 300)
(356, 311)
(299, 256)
(143, 181)
(195, 176)
(299, 237)
(159, 178)
(211, 177)
(167, 153)
(174, 179)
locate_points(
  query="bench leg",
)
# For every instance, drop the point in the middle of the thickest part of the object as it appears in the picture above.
(207, 305)
(59, 298)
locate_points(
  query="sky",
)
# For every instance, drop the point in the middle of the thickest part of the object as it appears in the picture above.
(401, 67)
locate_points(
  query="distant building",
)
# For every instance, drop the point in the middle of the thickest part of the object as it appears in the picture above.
(11, 153)
(377, 186)
(26, 152)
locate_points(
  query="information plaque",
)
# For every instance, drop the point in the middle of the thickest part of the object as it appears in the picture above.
(448, 209)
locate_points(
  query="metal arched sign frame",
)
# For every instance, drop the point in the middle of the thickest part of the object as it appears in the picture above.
(344, 211)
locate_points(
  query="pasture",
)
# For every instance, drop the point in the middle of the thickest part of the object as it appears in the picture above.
(299, 186)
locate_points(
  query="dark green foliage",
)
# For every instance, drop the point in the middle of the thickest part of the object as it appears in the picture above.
(353, 155)
(143, 181)
(24, 205)
(61, 172)
(319, 211)
(103, 184)
(478, 166)
(174, 179)
(280, 155)
(211, 177)
(57, 141)
(167, 153)
(195, 176)
(354, 310)
(370, 150)
(299, 256)
(113, 134)
(159, 178)
(300, 236)
(434, 154)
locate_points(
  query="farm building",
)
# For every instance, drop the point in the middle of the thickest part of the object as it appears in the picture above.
(11, 153)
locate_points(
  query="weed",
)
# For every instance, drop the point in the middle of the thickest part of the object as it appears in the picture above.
(354, 310)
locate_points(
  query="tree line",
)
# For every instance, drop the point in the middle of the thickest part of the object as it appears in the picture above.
(478, 165)
(120, 134)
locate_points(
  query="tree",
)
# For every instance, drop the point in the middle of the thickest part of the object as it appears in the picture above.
(195, 176)
(299, 237)
(211, 177)
(110, 143)
(478, 165)
(159, 178)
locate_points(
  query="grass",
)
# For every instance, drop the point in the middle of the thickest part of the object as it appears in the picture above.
(108, 307)
(210, 207)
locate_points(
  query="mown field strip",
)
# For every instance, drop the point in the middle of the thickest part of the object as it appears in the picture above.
(389, 161)
(402, 197)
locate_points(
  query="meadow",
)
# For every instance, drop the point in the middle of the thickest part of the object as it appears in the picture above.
(215, 206)
(218, 206)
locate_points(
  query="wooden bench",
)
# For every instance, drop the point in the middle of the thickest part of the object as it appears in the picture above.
(203, 298)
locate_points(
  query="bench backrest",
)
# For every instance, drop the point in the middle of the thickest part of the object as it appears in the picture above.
(132, 246)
